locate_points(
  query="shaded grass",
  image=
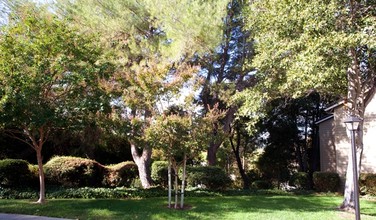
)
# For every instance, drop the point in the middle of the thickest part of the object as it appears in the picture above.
(226, 207)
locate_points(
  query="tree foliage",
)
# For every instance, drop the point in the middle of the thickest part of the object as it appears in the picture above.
(304, 50)
(171, 29)
(304, 45)
(151, 44)
(328, 46)
(49, 72)
(224, 73)
(50, 77)
(191, 27)
(181, 135)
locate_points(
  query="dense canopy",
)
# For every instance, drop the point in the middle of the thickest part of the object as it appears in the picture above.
(238, 72)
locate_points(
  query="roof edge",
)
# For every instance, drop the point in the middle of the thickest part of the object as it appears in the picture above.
(335, 105)
(324, 119)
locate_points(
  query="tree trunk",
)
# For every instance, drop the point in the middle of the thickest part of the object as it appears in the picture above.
(246, 183)
(236, 151)
(42, 189)
(183, 182)
(37, 145)
(169, 182)
(215, 144)
(299, 157)
(143, 162)
(212, 153)
(356, 105)
(176, 185)
(348, 200)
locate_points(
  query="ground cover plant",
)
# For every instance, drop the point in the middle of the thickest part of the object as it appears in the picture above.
(267, 206)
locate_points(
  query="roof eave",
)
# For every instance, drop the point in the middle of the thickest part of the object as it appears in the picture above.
(324, 119)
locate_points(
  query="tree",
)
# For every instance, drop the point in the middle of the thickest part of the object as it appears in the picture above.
(237, 133)
(151, 44)
(49, 78)
(225, 74)
(170, 133)
(323, 45)
(181, 135)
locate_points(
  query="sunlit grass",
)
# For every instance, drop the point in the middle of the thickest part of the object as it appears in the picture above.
(227, 207)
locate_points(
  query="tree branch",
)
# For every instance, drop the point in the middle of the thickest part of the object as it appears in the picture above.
(12, 134)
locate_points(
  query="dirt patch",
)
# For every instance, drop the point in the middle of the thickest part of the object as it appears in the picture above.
(186, 207)
(345, 215)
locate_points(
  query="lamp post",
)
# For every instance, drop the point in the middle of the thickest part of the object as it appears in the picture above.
(352, 124)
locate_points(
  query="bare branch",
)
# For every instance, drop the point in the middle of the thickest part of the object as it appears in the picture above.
(12, 133)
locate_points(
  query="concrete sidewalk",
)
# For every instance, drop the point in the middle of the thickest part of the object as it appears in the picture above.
(4, 216)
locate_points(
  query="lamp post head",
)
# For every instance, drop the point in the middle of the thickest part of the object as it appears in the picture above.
(352, 122)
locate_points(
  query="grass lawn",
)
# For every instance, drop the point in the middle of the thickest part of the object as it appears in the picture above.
(227, 207)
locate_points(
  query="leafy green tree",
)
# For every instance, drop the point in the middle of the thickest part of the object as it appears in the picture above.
(181, 135)
(323, 45)
(49, 78)
(151, 44)
(170, 134)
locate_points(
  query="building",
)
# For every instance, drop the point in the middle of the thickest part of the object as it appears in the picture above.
(334, 140)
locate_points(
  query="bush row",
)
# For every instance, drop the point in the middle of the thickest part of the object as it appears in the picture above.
(80, 172)
(67, 172)
(209, 177)
(215, 178)
(322, 181)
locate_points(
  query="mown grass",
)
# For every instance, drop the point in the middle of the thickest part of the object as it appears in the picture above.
(227, 207)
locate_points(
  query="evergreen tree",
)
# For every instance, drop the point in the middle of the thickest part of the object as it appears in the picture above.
(225, 74)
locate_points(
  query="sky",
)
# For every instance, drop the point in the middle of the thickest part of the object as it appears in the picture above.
(4, 9)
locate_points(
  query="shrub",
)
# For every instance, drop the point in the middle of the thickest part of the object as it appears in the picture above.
(14, 173)
(74, 172)
(299, 180)
(261, 184)
(209, 177)
(367, 183)
(121, 174)
(34, 175)
(136, 184)
(253, 175)
(19, 193)
(159, 173)
(326, 181)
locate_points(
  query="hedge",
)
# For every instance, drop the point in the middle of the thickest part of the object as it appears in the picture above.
(159, 173)
(15, 173)
(209, 177)
(326, 181)
(121, 174)
(261, 184)
(74, 172)
(299, 180)
(367, 183)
